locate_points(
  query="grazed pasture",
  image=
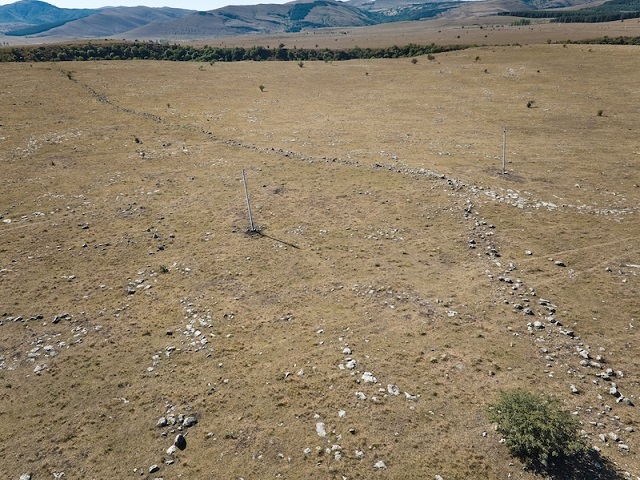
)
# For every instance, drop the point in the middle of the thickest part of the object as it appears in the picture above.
(388, 237)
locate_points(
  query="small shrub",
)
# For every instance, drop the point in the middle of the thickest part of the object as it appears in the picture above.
(600, 113)
(164, 269)
(301, 64)
(477, 59)
(530, 103)
(431, 58)
(261, 87)
(536, 429)
(414, 60)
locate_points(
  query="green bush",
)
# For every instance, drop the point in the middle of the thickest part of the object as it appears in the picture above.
(535, 428)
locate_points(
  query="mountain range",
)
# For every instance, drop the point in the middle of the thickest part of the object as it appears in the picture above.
(39, 19)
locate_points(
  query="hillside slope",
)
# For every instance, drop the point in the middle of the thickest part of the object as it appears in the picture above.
(115, 21)
(258, 19)
(33, 12)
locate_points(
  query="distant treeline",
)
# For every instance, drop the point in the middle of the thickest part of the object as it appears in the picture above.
(611, 11)
(180, 53)
(575, 16)
(612, 41)
(185, 53)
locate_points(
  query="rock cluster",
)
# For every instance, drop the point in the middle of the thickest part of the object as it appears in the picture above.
(547, 329)
(178, 425)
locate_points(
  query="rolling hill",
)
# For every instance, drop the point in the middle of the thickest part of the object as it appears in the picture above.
(35, 12)
(116, 21)
(44, 21)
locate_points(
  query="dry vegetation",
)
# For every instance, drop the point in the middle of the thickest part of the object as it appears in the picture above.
(370, 180)
(480, 30)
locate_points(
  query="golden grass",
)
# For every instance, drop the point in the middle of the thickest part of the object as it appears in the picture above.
(360, 174)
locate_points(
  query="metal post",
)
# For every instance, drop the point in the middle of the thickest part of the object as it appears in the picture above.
(504, 151)
(252, 228)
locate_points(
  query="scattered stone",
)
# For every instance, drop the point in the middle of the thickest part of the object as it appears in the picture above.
(359, 454)
(361, 396)
(574, 389)
(62, 316)
(393, 389)
(189, 421)
(623, 446)
(172, 450)
(410, 397)
(379, 465)
(162, 422)
(39, 368)
(180, 442)
(25, 476)
(351, 364)
(559, 263)
(614, 390)
(368, 377)
(154, 468)
(321, 429)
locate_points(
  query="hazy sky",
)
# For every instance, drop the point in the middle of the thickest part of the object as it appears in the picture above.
(188, 4)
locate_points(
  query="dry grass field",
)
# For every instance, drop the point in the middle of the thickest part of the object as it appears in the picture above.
(390, 243)
(471, 30)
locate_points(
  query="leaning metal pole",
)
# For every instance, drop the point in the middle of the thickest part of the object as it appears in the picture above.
(504, 151)
(252, 228)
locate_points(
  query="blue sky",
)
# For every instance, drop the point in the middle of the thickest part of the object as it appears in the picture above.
(188, 4)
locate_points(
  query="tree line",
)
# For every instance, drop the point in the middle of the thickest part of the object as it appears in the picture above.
(175, 52)
(611, 11)
(585, 16)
